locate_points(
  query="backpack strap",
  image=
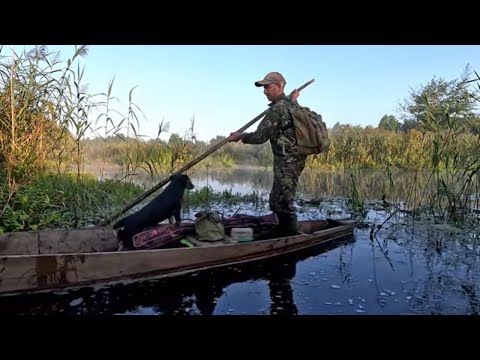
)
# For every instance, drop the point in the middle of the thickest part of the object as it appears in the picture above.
(292, 125)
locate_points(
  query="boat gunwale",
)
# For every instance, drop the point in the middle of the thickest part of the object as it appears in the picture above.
(342, 225)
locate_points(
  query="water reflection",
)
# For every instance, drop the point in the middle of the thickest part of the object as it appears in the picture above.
(402, 270)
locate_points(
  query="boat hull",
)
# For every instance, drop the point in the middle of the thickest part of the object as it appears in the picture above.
(45, 272)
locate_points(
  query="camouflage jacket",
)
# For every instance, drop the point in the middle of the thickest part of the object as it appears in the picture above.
(277, 127)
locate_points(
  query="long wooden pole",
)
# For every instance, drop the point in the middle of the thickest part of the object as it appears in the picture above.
(192, 163)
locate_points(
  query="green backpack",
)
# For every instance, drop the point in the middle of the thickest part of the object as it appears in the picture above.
(310, 131)
(209, 226)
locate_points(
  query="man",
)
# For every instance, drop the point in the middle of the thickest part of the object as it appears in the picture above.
(277, 126)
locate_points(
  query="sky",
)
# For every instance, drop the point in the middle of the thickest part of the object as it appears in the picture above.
(214, 85)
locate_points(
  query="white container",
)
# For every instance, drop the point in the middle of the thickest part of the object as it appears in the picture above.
(242, 234)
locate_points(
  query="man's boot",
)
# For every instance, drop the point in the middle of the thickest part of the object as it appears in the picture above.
(287, 224)
(291, 225)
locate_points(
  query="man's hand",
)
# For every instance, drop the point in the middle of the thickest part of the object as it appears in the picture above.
(234, 137)
(295, 95)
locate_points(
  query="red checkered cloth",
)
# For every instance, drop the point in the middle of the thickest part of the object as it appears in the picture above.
(243, 220)
(161, 235)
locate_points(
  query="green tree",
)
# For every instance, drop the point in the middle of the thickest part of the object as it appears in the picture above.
(440, 104)
(389, 122)
(174, 139)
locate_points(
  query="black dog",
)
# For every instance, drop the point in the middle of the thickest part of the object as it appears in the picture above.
(165, 205)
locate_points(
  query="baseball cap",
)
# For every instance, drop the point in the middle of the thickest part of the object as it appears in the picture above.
(271, 78)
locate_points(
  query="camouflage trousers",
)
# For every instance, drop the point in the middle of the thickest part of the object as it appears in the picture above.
(286, 171)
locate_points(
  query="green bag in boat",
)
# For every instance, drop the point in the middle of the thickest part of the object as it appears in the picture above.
(209, 226)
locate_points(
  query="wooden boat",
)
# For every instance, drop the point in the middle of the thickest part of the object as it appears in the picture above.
(175, 295)
(39, 261)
